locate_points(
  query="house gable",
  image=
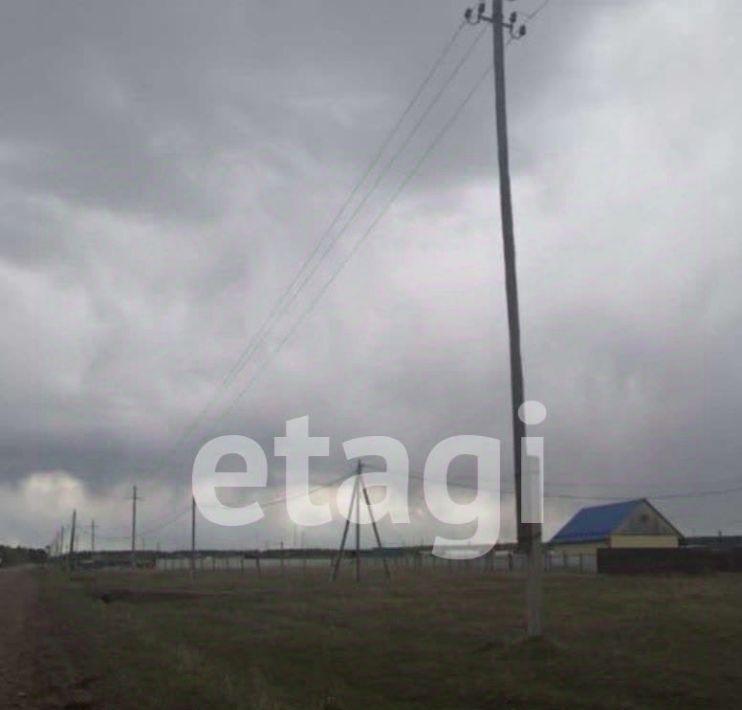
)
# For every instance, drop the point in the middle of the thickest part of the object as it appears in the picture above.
(645, 519)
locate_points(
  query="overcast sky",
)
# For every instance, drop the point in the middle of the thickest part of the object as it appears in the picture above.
(166, 167)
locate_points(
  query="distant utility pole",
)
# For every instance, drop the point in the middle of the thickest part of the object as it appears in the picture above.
(355, 502)
(339, 556)
(72, 539)
(376, 530)
(134, 499)
(61, 542)
(358, 522)
(529, 533)
(193, 537)
(92, 536)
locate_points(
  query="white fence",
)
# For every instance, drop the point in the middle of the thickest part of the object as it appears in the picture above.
(500, 561)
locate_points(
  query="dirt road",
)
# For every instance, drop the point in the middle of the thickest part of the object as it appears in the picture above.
(42, 659)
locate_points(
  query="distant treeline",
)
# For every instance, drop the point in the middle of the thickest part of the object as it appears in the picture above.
(20, 555)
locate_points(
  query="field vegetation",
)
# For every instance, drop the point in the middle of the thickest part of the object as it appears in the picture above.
(422, 640)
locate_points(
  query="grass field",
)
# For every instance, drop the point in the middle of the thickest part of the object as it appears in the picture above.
(432, 640)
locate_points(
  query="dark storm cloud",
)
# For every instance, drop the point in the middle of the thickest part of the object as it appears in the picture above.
(165, 168)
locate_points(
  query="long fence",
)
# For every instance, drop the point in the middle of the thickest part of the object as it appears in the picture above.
(271, 564)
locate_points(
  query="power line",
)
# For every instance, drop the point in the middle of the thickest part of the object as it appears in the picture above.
(384, 171)
(302, 278)
(561, 483)
(285, 300)
(285, 498)
(365, 235)
(434, 143)
(532, 15)
(372, 165)
(306, 277)
(419, 475)
(170, 521)
(661, 496)
(412, 173)
(265, 504)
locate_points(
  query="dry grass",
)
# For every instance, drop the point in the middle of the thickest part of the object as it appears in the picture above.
(432, 640)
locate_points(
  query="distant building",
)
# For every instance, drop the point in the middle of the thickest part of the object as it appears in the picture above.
(631, 523)
(715, 542)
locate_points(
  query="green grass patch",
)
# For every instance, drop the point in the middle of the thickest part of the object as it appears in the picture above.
(421, 641)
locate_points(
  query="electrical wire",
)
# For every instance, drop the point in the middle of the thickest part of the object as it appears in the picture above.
(261, 337)
(532, 15)
(290, 293)
(382, 174)
(434, 143)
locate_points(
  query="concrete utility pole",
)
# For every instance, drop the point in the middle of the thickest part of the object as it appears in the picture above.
(193, 537)
(72, 540)
(529, 533)
(376, 530)
(92, 536)
(359, 469)
(355, 502)
(134, 499)
(341, 550)
(61, 542)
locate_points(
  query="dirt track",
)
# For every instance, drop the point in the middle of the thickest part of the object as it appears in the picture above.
(42, 660)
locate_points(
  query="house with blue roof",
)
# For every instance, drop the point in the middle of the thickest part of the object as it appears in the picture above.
(630, 523)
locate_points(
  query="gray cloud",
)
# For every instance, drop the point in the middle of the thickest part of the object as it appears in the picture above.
(166, 167)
